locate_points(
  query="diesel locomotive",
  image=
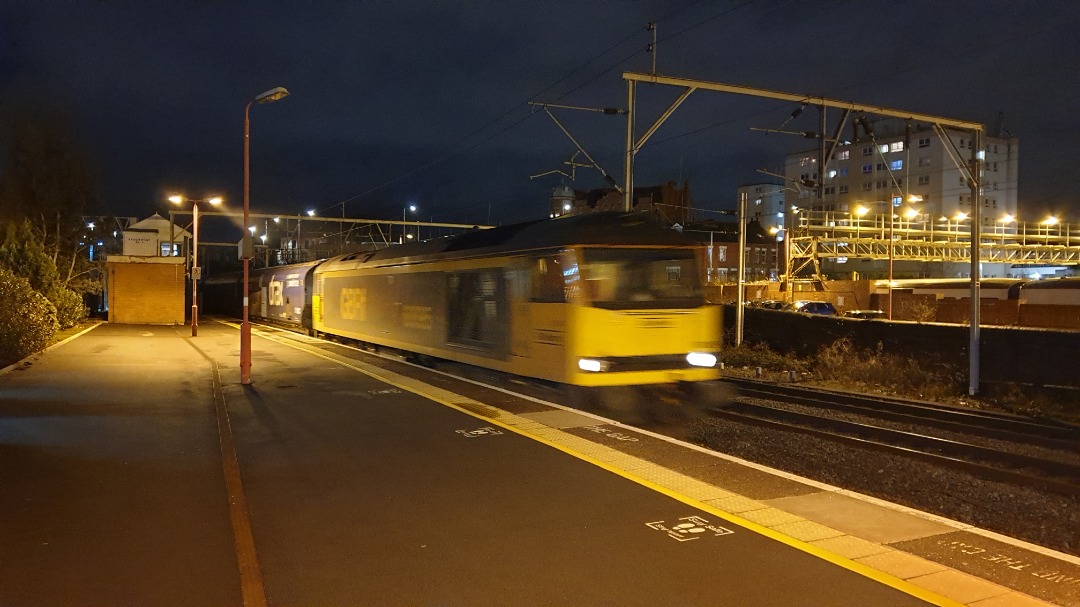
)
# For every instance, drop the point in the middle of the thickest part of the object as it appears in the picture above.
(597, 300)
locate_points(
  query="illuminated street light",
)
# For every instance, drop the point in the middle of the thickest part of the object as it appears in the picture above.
(860, 212)
(178, 199)
(411, 209)
(1004, 220)
(269, 96)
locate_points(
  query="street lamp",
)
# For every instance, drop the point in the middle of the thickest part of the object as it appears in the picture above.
(178, 199)
(1049, 221)
(860, 212)
(269, 96)
(1005, 220)
(411, 209)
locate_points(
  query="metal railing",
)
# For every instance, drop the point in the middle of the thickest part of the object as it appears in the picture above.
(825, 234)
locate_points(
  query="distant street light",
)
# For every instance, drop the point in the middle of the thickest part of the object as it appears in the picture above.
(195, 272)
(412, 209)
(1004, 221)
(269, 96)
(860, 212)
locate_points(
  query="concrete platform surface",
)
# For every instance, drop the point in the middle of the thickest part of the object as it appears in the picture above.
(136, 470)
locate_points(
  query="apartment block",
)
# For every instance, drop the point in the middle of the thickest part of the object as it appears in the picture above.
(917, 172)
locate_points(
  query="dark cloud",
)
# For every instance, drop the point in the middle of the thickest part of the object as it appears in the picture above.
(396, 101)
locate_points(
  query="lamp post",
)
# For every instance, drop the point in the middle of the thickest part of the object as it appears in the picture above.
(269, 96)
(1048, 222)
(1005, 220)
(412, 209)
(860, 212)
(178, 199)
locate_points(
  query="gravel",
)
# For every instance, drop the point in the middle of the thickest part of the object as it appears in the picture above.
(1038, 517)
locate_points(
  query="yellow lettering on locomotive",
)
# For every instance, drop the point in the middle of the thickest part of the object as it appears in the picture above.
(275, 293)
(416, 317)
(354, 304)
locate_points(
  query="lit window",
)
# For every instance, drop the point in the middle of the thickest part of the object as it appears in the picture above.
(896, 165)
(896, 146)
(897, 200)
(844, 155)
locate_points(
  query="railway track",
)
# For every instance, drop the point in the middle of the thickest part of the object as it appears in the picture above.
(1025, 452)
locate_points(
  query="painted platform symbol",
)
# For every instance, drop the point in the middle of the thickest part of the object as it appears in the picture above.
(487, 431)
(690, 528)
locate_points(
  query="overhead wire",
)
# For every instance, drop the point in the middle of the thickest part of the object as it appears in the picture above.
(446, 151)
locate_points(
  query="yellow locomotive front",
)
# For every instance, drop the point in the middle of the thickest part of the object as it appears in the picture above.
(630, 315)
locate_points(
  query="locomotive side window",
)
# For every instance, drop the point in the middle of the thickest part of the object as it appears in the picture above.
(548, 284)
(641, 278)
(473, 308)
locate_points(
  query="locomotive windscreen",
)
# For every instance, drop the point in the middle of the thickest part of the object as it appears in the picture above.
(626, 278)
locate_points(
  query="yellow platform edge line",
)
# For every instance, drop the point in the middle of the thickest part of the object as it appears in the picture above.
(19, 362)
(841, 561)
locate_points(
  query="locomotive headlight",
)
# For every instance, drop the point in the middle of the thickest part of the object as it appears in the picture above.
(592, 365)
(701, 359)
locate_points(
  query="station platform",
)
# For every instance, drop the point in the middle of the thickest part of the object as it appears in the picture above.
(135, 469)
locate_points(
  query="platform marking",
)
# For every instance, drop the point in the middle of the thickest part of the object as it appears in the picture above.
(252, 588)
(691, 528)
(608, 432)
(997, 558)
(385, 391)
(428, 391)
(488, 431)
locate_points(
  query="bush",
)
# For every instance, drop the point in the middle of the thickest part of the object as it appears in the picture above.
(759, 355)
(69, 307)
(842, 362)
(27, 318)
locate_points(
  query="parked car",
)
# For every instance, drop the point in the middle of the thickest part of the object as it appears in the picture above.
(815, 307)
(864, 314)
(772, 304)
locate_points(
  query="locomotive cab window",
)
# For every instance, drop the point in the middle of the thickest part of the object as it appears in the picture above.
(548, 284)
(641, 278)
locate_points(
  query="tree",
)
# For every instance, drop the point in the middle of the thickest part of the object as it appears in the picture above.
(27, 319)
(51, 183)
(22, 253)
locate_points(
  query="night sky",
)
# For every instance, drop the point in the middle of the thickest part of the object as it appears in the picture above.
(426, 102)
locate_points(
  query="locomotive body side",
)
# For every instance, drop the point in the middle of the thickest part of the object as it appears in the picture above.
(603, 313)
